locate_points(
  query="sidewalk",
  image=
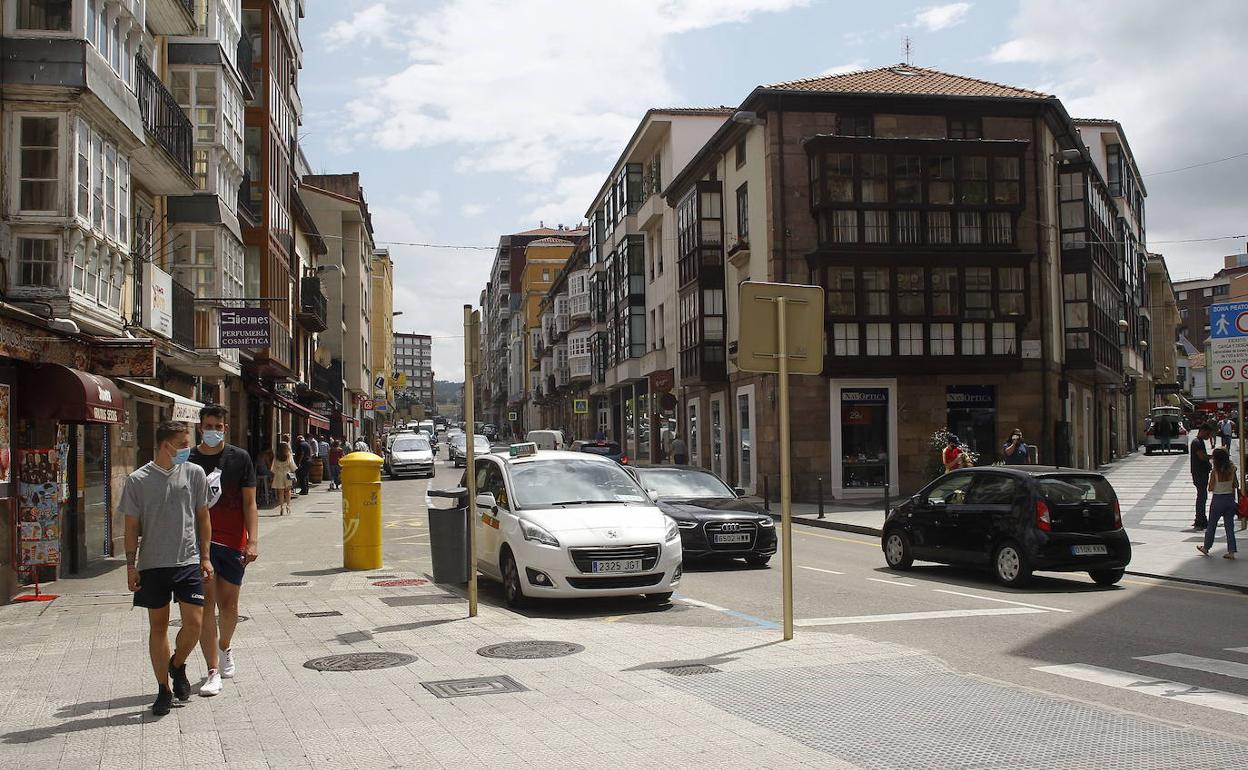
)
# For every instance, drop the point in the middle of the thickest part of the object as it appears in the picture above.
(705, 688)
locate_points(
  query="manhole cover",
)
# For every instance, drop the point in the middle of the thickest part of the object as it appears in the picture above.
(329, 614)
(401, 582)
(530, 650)
(177, 622)
(484, 685)
(359, 661)
(417, 601)
(291, 583)
(692, 669)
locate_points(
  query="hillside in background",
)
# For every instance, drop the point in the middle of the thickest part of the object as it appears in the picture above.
(448, 392)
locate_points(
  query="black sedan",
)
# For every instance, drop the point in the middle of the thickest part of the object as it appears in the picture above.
(714, 521)
(1013, 521)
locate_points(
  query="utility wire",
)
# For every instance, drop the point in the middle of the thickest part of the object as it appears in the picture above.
(1197, 165)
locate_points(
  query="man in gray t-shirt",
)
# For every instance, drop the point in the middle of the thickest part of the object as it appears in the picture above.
(168, 530)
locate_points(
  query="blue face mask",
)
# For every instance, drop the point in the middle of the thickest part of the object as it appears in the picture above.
(182, 455)
(214, 437)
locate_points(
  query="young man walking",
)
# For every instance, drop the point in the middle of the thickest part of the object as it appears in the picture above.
(303, 459)
(1201, 466)
(235, 538)
(165, 504)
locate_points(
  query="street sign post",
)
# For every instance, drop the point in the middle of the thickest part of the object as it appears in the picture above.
(781, 331)
(1228, 348)
(472, 360)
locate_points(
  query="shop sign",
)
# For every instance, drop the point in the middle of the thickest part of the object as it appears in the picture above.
(244, 328)
(39, 518)
(660, 382)
(6, 406)
(157, 300)
(971, 397)
(865, 396)
(184, 412)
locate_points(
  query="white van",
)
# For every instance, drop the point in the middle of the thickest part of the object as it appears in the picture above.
(547, 439)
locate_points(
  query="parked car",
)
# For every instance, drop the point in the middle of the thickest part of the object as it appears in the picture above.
(1013, 521)
(714, 521)
(410, 454)
(563, 525)
(546, 439)
(1161, 420)
(489, 430)
(458, 448)
(608, 449)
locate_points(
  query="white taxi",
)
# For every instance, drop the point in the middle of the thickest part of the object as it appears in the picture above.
(570, 524)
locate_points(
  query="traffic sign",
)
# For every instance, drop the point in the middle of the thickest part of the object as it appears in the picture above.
(367, 404)
(1228, 341)
(580, 406)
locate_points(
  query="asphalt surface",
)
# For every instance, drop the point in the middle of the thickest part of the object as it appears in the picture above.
(841, 586)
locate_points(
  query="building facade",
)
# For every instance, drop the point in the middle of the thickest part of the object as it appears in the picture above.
(383, 338)
(413, 362)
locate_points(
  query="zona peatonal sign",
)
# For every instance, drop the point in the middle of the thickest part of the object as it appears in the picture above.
(1228, 342)
(244, 328)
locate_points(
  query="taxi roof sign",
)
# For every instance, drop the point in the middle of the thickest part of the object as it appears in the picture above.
(527, 449)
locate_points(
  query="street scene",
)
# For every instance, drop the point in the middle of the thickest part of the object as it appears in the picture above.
(761, 384)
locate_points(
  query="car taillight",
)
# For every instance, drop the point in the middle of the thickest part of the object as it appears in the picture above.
(623, 460)
(1117, 515)
(1148, 432)
(1043, 521)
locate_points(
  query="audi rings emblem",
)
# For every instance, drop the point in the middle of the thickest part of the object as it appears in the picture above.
(730, 526)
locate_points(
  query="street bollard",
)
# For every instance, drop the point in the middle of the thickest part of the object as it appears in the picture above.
(821, 497)
(361, 511)
(766, 495)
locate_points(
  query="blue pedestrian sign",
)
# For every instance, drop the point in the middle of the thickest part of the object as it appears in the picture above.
(1228, 343)
(1228, 319)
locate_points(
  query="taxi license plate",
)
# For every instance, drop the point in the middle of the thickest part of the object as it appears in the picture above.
(1089, 550)
(743, 537)
(616, 565)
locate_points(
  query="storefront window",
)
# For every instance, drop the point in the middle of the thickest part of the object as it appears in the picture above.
(717, 436)
(745, 462)
(630, 423)
(643, 423)
(864, 437)
(972, 416)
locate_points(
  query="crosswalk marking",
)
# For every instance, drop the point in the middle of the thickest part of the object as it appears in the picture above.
(1003, 601)
(1208, 665)
(1160, 688)
(905, 616)
(818, 569)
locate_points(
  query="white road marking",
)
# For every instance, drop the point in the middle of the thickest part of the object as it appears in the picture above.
(1237, 649)
(1159, 688)
(1208, 665)
(704, 605)
(1003, 601)
(819, 569)
(892, 582)
(904, 616)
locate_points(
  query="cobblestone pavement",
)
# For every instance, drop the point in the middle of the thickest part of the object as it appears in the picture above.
(695, 691)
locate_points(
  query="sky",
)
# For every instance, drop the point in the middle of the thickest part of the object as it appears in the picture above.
(468, 119)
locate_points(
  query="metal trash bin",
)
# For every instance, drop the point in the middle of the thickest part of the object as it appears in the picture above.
(448, 537)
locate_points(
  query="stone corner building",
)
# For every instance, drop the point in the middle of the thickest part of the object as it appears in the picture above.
(980, 274)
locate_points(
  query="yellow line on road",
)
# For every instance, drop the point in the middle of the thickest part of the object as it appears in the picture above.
(871, 543)
(615, 618)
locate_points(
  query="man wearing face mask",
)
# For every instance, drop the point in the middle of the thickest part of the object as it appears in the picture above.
(235, 538)
(165, 504)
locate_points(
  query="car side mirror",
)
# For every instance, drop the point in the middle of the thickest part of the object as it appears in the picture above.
(654, 496)
(936, 502)
(739, 491)
(486, 500)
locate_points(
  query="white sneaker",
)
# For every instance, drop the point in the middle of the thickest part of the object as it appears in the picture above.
(227, 663)
(212, 686)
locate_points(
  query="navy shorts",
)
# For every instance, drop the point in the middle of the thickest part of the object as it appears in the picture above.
(157, 586)
(227, 563)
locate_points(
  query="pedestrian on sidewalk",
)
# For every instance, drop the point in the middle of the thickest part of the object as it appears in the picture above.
(322, 451)
(1223, 484)
(335, 467)
(1015, 450)
(168, 529)
(1199, 453)
(361, 445)
(1227, 427)
(303, 460)
(952, 456)
(235, 540)
(283, 469)
(680, 453)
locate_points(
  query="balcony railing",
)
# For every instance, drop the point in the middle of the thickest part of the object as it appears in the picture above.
(183, 316)
(313, 307)
(162, 117)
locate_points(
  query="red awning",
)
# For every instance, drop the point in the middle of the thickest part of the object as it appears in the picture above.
(315, 420)
(55, 392)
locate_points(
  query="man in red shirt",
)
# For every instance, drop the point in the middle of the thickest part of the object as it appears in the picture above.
(235, 538)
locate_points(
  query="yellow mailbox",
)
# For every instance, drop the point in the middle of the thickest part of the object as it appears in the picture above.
(361, 511)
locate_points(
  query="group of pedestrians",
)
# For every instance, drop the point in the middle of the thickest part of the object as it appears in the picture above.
(191, 529)
(1214, 474)
(1014, 452)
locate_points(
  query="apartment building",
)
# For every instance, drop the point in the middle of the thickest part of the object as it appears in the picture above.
(533, 338)
(413, 361)
(1195, 295)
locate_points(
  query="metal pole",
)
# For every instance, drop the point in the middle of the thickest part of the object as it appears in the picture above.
(469, 456)
(820, 481)
(767, 493)
(1241, 436)
(786, 501)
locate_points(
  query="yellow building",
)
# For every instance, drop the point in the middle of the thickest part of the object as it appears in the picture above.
(382, 335)
(543, 259)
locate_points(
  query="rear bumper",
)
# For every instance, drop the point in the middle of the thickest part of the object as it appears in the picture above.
(1055, 554)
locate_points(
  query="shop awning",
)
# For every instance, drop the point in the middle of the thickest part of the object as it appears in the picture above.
(55, 392)
(314, 419)
(183, 409)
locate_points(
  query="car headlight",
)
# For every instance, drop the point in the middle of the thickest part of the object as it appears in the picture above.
(535, 533)
(673, 531)
(767, 521)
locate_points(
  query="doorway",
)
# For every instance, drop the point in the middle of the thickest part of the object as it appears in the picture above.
(717, 435)
(747, 463)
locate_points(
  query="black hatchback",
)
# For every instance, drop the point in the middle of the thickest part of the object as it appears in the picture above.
(1014, 521)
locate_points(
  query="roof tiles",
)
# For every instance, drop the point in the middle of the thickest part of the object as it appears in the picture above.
(907, 80)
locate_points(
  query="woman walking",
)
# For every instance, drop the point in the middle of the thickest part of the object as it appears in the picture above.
(1223, 483)
(335, 469)
(283, 467)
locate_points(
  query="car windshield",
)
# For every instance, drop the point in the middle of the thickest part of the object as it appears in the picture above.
(1072, 490)
(683, 483)
(544, 483)
(411, 444)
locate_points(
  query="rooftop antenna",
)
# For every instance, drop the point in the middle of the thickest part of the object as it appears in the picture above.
(908, 50)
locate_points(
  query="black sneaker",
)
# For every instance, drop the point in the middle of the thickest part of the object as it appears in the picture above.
(181, 685)
(164, 702)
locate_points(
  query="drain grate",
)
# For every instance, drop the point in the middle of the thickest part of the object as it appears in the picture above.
(416, 601)
(692, 669)
(529, 650)
(359, 661)
(291, 583)
(401, 582)
(482, 685)
(177, 622)
(329, 614)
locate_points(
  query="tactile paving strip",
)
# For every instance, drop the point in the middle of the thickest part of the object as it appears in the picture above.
(915, 713)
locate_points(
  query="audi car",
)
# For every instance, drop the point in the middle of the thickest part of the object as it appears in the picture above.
(564, 525)
(714, 520)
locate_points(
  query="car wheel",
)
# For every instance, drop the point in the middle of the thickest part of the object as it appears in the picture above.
(1010, 565)
(513, 591)
(662, 598)
(897, 551)
(757, 561)
(1106, 577)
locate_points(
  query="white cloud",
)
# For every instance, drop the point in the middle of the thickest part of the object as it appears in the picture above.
(937, 17)
(469, 210)
(371, 25)
(1176, 95)
(566, 203)
(841, 69)
(426, 201)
